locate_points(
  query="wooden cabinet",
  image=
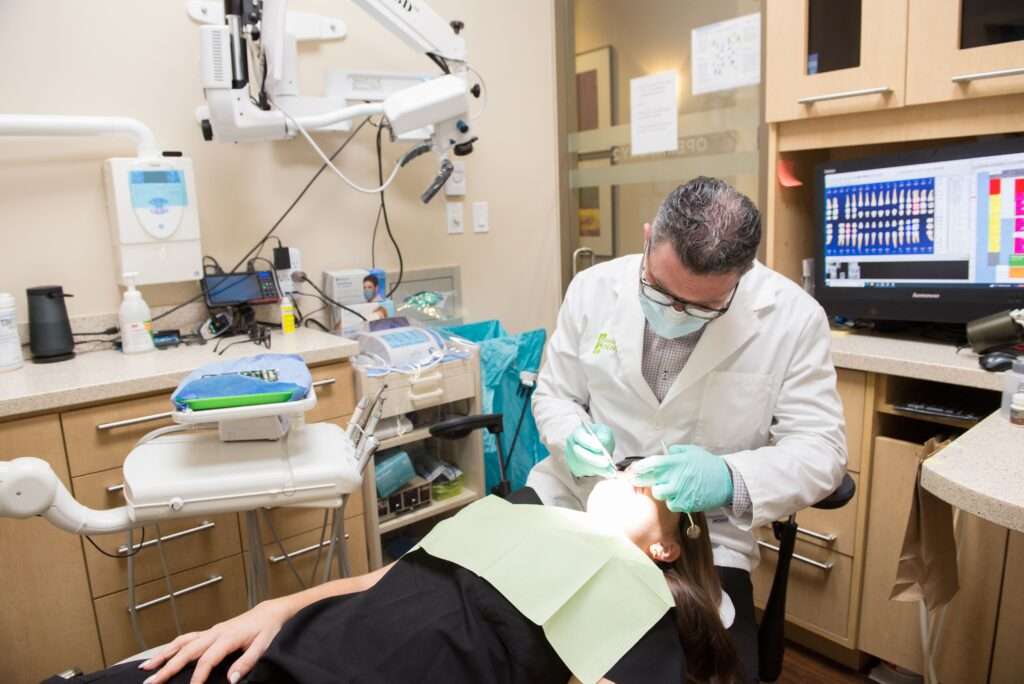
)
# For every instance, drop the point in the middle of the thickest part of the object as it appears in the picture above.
(187, 542)
(891, 629)
(67, 602)
(818, 596)
(852, 387)
(1008, 656)
(47, 624)
(307, 552)
(99, 437)
(204, 596)
(939, 69)
(876, 82)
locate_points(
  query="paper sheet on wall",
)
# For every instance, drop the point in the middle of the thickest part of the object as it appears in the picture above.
(654, 113)
(726, 54)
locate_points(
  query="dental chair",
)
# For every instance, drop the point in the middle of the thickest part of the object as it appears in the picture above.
(771, 642)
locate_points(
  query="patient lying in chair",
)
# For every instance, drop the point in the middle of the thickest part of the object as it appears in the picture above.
(425, 618)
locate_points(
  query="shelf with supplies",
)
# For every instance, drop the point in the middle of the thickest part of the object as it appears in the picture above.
(466, 496)
(442, 391)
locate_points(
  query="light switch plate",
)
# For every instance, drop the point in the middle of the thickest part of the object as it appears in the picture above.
(454, 211)
(480, 219)
(456, 185)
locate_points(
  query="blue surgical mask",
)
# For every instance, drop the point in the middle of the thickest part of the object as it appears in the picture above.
(666, 322)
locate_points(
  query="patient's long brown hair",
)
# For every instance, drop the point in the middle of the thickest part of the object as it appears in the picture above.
(693, 581)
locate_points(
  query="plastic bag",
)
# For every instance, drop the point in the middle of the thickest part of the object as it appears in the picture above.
(252, 375)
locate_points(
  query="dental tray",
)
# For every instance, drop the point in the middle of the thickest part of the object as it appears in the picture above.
(237, 400)
(214, 414)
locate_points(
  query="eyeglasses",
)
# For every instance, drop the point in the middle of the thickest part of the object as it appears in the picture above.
(656, 295)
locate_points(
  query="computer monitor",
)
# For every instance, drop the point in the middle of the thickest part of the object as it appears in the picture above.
(235, 289)
(927, 235)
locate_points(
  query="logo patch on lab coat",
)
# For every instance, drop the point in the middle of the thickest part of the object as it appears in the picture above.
(604, 343)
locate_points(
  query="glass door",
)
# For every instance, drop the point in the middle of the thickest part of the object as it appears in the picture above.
(655, 93)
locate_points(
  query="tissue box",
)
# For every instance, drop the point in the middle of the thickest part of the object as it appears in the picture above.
(356, 285)
(393, 471)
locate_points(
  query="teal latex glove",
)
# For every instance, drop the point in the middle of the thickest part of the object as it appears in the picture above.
(688, 479)
(583, 453)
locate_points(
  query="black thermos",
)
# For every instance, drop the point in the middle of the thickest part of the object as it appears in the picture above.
(49, 330)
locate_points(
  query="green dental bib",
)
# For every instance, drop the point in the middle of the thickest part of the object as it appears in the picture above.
(594, 593)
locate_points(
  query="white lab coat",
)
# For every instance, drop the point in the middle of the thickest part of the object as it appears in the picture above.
(759, 389)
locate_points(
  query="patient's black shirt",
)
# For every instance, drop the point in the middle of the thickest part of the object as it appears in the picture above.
(427, 620)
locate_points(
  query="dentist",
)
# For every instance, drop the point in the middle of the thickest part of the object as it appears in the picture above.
(696, 345)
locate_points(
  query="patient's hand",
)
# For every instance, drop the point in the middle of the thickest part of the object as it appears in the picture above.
(252, 632)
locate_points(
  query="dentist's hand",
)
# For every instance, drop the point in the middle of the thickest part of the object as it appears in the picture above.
(688, 479)
(583, 453)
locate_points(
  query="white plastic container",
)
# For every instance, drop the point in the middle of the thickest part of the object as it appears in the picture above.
(135, 320)
(10, 343)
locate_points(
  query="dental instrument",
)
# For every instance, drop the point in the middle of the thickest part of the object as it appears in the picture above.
(604, 452)
(693, 531)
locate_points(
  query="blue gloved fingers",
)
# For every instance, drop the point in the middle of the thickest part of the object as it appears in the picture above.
(605, 434)
(584, 455)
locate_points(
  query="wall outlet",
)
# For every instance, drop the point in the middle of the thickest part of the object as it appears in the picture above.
(456, 225)
(456, 185)
(480, 219)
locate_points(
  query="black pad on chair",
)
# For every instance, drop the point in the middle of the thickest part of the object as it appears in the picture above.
(461, 426)
(839, 498)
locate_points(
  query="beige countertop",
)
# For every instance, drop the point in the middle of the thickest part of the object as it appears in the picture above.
(106, 375)
(911, 359)
(982, 472)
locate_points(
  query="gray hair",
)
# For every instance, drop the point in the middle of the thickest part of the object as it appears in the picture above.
(713, 227)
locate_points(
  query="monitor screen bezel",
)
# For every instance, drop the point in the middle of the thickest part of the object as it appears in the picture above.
(919, 303)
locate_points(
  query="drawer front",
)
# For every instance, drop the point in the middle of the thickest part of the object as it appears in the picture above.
(187, 542)
(46, 624)
(835, 529)
(433, 388)
(100, 437)
(204, 596)
(335, 392)
(303, 553)
(294, 520)
(817, 599)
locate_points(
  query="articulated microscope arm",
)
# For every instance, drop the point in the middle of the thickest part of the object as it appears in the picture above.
(29, 487)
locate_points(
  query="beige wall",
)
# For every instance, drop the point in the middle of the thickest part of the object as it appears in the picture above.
(140, 59)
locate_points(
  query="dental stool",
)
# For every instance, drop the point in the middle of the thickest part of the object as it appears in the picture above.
(771, 642)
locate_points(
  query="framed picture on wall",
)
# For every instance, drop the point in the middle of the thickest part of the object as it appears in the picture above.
(595, 109)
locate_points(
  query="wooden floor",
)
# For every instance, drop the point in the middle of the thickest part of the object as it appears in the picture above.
(801, 666)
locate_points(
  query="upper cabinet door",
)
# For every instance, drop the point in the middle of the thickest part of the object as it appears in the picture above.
(827, 57)
(961, 49)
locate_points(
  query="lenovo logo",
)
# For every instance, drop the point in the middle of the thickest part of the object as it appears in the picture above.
(925, 295)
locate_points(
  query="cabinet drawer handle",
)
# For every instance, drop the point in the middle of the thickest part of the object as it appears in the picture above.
(324, 382)
(205, 525)
(826, 537)
(826, 566)
(274, 560)
(426, 379)
(114, 489)
(881, 90)
(134, 421)
(426, 396)
(181, 592)
(981, 75)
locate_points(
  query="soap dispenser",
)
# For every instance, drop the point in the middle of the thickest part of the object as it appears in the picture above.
(135, 320)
